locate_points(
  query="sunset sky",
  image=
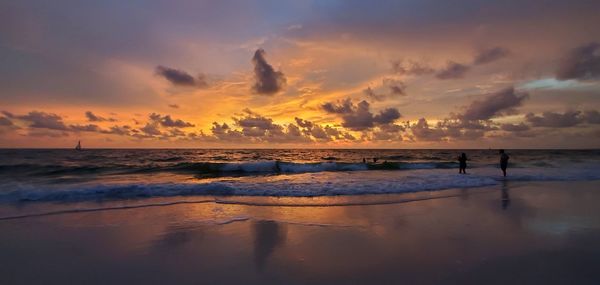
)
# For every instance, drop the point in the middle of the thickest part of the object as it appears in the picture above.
(322, 73)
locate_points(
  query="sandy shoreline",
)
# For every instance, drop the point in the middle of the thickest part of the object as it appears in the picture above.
(516, 233)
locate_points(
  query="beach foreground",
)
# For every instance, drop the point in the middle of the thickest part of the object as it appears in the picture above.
(513, 233)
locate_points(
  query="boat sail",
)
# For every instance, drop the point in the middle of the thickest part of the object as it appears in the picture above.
(78, 147)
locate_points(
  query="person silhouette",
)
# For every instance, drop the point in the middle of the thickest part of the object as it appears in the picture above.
(462, 159)
(503, 161)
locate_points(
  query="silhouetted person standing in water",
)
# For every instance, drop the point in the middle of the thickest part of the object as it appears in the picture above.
(503, 161)
(462, 159)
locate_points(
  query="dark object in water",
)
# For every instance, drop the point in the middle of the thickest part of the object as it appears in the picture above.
(462, 159)
(503, 161)
(78, 147)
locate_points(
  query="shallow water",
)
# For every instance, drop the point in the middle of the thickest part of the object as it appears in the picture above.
(511, 233)
(68, 175)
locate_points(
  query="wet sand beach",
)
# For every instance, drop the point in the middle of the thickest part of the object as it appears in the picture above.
(513, 233)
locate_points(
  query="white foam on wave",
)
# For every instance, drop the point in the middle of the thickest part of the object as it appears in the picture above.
(420, 165)
(289, 167)
(318, 167)
(22, 192)
(259, 166)
(297, 185)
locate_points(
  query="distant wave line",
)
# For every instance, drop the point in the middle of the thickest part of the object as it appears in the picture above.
(241, 203)
(76, 211)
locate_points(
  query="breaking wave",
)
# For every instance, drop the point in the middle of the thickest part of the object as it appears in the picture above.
(298, 185)
(217, 169)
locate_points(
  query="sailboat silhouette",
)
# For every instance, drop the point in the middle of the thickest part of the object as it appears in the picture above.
(78, 147)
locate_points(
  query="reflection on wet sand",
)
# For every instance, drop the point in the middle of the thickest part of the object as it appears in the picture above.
(505, 196)
(178, 236)
(268, 235)
(549, 234)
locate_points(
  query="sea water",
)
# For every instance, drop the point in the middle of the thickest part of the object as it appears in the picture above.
(109, 174)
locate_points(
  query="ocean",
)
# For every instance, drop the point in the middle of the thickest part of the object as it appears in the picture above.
(63, 175)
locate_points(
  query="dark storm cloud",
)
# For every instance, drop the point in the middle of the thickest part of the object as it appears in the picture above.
(453, 70)
(393, 128)
(151, 129)
(221, 130)
(555, 120)
(490, 55)
(461, 129)
(423, 132)
(303, 123)
(371, 94)
(259, 126)
(167, 121)
(396, 87)
(177, 77)
(288, 134)
(95, 118)
(251, 127)
(344, 107)
(467, 124)
(38, 121)
(5, 122)
(254, 120)
(521, 127)
(224, 132)
(118, 130)
(268, 81)
(403, 67)
(42, 120)
(450, 129)
(349, 137)
(582, 63)
(84, 128)
(294, 130)
(592, 117)
(333, 132)
(321, 133)
(475, 121)
(180, 77)
(8, 114)
(256, 128)
(253, 132)
(494, 104)
(174, 132)
(387, 116)
(359, 117)
(388, 132)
